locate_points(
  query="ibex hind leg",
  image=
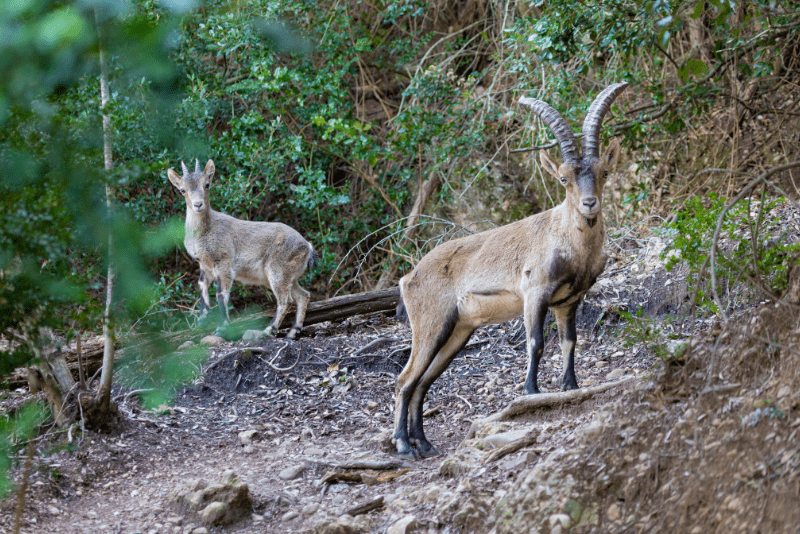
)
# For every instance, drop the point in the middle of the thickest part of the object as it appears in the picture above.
(442, 361)
(301, 298)
(281, 287)
(425, 345)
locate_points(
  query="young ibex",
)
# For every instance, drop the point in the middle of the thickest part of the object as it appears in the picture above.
(547, 260)
(228, 249)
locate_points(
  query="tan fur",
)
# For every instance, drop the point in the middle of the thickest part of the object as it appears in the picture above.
(495, 276)
(262, 253)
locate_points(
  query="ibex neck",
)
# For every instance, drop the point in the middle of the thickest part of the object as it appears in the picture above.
(197, 222)
(582, 231)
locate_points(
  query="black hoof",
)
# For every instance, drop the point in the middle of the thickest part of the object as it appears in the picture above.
(426, 450)
(568, 385)
(406, 451)
(530, 390)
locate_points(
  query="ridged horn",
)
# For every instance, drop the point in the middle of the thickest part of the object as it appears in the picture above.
(557, 125)
(594, 118)
(184, 168)
(197, 165)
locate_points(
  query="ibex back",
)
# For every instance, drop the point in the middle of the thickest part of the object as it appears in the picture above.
(548, 260)
(228, 249)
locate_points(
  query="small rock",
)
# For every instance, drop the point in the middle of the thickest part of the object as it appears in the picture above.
(372, 405)
(600, 364)
(616, 373)
(592, 430)
(249, 436)
(314, 451)
(175, 520)
(291, 473)
(403, 526)
(186, 345)
(563, 520)
(253, 335)
(200, 530)
(618, 354)
(310, 509)
(53, 510)
(785, 391)
(288, 516)
(613, 512)
(212, 340)
(248, 449)
(213, 513)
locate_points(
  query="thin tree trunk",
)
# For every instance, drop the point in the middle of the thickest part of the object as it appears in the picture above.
(426, 190)
(104, 392)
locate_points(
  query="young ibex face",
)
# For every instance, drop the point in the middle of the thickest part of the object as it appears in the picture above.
(194, 186)
(584, 179)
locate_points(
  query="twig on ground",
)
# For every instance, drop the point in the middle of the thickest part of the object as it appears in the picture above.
(282, 369)
(130, 394)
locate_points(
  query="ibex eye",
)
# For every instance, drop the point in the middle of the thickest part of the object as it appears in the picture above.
(605, 174)
(208, 185)
(563, 180)
(183, 190)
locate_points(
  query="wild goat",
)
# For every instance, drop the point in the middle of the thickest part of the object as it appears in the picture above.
(228, 249)
(546, 260)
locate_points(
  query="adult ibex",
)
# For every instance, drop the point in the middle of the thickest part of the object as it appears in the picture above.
(547, 260)
(228, 249)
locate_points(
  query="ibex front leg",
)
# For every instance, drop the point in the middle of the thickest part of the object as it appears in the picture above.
(205, 302)
(224, 282)
(535, 312)
(568, 336)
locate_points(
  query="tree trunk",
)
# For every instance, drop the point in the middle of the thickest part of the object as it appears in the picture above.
(426, 190)
(56, 379)
(100, 411)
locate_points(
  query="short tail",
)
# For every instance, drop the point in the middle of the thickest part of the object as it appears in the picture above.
(313, 259)
(401, 314)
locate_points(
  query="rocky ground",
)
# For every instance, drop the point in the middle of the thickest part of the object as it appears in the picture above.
(701, 438)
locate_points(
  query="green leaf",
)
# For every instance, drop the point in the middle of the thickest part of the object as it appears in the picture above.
(697, 67)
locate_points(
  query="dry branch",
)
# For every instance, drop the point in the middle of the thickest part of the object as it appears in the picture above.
(528, 403)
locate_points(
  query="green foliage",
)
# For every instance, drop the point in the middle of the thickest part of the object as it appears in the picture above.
(693, 230)
(15, 431)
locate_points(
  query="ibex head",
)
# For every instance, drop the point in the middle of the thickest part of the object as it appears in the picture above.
(194, 186)
(583, 176)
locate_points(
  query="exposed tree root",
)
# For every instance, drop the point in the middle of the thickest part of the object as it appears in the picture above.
(531, 402)
(512, 447)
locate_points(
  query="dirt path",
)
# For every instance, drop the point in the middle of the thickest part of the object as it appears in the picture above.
(281, 432)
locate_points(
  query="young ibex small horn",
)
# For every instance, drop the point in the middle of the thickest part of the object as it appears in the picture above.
(228, 249)
(547, 260)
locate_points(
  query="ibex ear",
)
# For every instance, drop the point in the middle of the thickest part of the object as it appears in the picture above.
(611, 155)
(550, 165)
(174, 178)
(209, 170)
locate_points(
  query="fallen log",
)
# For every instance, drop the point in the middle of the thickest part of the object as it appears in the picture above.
(528, 403)
(340, 308)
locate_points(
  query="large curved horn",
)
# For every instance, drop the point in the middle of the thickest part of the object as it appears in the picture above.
(184, 168)
(594, 117)
(197, 165)
(557, 125)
